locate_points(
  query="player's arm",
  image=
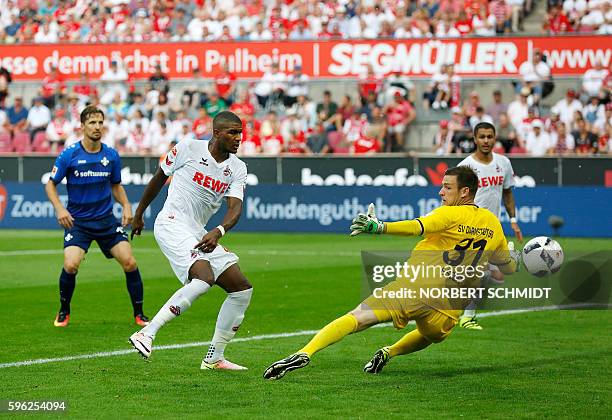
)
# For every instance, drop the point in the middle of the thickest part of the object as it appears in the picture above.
(64, 218)
(151, 191)
(506, 258)
(121, 197)
(436, 221)
(232, 215)
(509, 204)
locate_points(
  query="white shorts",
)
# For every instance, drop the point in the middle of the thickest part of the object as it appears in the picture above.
(177, 242)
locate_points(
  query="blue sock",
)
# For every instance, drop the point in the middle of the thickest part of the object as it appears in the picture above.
(134, 286)
(67, 283)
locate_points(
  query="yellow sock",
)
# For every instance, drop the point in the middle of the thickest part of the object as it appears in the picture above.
(331, 333)
(411, 342)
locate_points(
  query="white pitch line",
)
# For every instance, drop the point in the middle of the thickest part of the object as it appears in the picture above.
(258, 337)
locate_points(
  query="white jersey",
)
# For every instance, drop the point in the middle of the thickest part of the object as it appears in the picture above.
(199, 182)
(492, 179)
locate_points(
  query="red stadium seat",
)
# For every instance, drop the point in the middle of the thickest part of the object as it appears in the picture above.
(518, 150)
(21, 143)
(335, 142)
(6, 146)
(40, 143)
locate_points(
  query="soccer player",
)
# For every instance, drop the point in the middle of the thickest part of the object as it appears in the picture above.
(458, 224)
(495, 182)
(203, 174)
(93, 174)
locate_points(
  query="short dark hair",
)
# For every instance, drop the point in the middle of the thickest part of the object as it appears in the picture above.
(224, 118)
(483, 125)
(466, 177)
(89, 111)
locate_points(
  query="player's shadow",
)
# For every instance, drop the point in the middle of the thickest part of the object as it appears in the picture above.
(447, 372)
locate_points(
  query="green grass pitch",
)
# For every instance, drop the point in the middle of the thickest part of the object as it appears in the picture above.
(543, 364)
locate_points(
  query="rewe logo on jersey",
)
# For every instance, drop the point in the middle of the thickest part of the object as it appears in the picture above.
(490, 181)
(210, 183)
(3, 201)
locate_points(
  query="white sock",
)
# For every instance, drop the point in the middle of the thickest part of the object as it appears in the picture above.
(470, 310)
(180, 301)
(230, 317)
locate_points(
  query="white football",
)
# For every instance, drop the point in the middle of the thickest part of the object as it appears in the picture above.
(542, 256)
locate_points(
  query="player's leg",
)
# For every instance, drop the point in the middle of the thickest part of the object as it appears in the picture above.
(468, 320)
(359, 319)
(432, 327)
(122, 252)
(73, 255)
(231, 314)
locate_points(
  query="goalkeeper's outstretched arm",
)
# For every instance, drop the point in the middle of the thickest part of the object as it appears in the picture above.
(436, 221)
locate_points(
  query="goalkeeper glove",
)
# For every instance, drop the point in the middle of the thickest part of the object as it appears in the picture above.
(515, 255)
(367, 223)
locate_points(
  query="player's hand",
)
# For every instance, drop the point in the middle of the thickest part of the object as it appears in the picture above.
(209, 241)
(137, 226)
(65, 219)
(367, 223)
(517, 232)
(126, 216)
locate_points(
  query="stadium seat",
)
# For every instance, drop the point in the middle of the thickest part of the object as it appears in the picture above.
(6, 145)
(40, 143)
(21, 143)
(335, 142)
(518, 150)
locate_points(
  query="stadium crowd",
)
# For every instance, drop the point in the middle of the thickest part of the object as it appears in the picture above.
(50, 21)
(592, 16)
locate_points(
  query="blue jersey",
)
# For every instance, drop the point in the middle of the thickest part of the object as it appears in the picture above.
(89, 177)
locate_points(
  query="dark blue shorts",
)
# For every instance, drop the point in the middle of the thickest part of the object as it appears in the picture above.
(106, 232)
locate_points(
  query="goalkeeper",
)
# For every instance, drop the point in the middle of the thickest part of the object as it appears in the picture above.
(457, 225)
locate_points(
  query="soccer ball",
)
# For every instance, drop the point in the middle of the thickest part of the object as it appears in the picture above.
(542, 256)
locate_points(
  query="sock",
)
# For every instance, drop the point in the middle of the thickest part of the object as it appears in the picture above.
(331, 333)
(67, 283)
(134, 286)
(411, 342)
(178, 303)
(133, 282)
(230, 317)
(470, 310)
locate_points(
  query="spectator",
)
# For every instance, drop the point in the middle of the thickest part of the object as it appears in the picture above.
(594, 112)
(225, 83)
(365, 145)
(326, 109)
(214, 105)
(567, 107)
(272, 87)
(185, 133)
(136, 140)
(272, 142)
(17, 116)
(39, 116)
(58, 130)
(498, 106)
(518, 7)
(297, 84)
(503, 16)
(443, 140)
(52, 88)
(396, 82)
(437, 94)
(506, 134)
(202, 125)
(300, 32)
(84, 89)
(317, 140)
(593, 80)
(119, 131)
(563, 142)
(400, 115)
(369, 82)
(586, 142)
(296, 144)
(471, 104)
(291, 126)
(117, 106)
(46, 34)
(463, 24)
(534, 73)
(305, 110)
(483, 22)
(518, 110)
(243, 107)
(138, 118)
(556, 22)
(159, 81)
(5, 81)
(463, 140)
(480, 116)
(114, 81)
(538, 141)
